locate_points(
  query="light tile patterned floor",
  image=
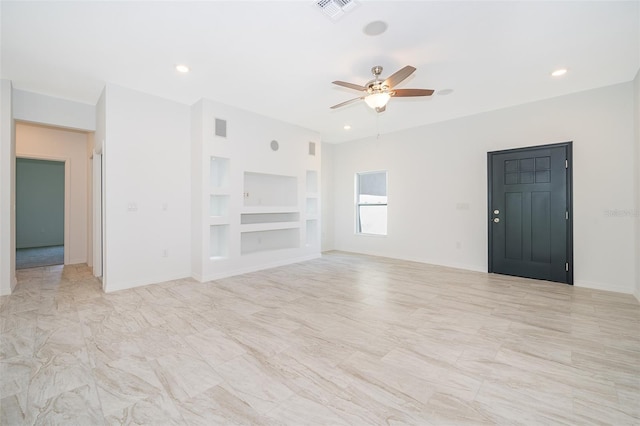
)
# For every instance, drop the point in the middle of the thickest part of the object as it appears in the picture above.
(345, 339)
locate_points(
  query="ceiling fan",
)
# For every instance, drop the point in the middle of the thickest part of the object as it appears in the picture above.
(377, 92)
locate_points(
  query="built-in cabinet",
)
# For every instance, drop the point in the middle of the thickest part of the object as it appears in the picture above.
(258, 203)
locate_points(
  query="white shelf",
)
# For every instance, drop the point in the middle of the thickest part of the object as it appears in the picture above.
(255, 227)
(269, 209)
(218, 220)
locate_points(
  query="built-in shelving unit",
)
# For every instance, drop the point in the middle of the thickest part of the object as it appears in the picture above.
(254, 206)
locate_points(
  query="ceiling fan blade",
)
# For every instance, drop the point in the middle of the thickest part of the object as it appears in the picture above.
(399, 76)
(350, 101)
(400, 93)
(350, 85)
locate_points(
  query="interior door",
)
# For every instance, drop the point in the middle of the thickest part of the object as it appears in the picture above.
(530, 226)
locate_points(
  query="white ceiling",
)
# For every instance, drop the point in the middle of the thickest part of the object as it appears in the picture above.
(278, 58)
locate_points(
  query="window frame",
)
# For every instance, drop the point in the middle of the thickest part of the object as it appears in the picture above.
(359, 204)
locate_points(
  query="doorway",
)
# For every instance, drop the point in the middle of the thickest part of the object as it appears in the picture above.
(40, 213)
(530, 212)
(73, 147)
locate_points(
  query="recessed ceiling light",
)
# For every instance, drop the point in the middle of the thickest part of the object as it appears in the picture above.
(182, 68)
(375, 28)
(559, 72)
(347, 127)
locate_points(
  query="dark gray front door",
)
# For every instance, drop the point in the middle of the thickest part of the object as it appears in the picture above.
(530, 232)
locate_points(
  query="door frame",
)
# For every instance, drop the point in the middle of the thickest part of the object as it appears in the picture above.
(67, 194)
(569, 207)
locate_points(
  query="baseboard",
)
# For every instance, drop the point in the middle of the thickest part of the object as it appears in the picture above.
(6, 291)
(110, 288)
(260, 267)
(465, 267)
(602, 286)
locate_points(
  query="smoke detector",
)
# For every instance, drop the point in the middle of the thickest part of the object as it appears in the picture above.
(335, 9)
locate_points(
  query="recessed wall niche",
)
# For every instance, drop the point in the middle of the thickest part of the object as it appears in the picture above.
(312, 181)
(261, 189)
(219, 172)
(279, 239)
(219, 205)
(218, 241)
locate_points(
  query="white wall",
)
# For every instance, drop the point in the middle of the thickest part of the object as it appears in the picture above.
(327, 197)
(50, 143)
(43, 109)
(636, 120)
(146, 168)
(97, 193)
(433, 169)
(7, 196)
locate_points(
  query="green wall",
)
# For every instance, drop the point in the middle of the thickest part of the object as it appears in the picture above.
(39, 203)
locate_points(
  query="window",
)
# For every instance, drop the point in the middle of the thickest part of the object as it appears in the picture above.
(371, 203)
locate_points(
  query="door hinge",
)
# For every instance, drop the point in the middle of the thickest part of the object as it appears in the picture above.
(566, 266)
(566, 164)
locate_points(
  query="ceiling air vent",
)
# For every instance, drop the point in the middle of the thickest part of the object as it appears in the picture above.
(334, 9)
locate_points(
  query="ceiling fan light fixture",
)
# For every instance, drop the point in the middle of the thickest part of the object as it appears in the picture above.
(377, 100)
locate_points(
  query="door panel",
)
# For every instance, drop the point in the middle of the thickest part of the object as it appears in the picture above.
(529, 212)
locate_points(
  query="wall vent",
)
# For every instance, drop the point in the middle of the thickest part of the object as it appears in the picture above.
(221, 128)
(312, 148)
(335, 9)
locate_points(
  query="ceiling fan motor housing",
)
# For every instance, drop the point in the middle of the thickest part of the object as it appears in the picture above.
(376, 85)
